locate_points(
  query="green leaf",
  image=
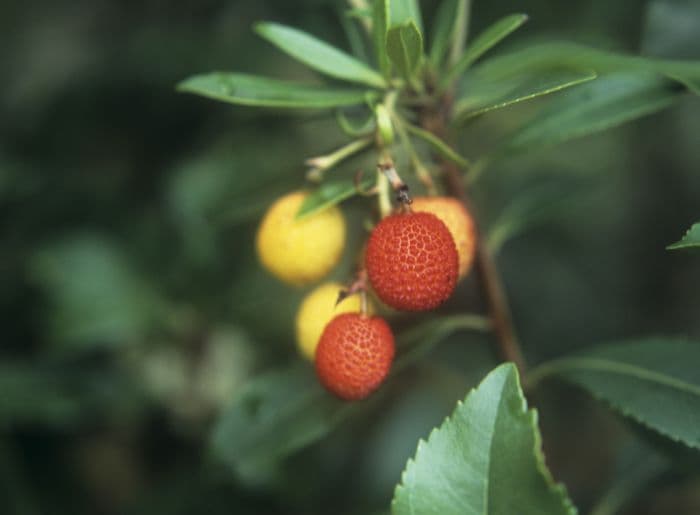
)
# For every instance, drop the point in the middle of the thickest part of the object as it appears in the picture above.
(251, 90)
(416, 342)
(486, 458)
(283, 411)
(364, 128)
(438, 145)
(670, 29)
(63, 395)
(380, 28)
(531, 207)
(319, 55)
(570, 55)
(636, 468)
(35, 395)
(402, 12)
(484, 42)
(404, 45)
(96, 295)
(331, 193)
(486, 92)
(274, 415)
(354, 35)
(605, 102)
(690, 240)
(443, 29)
(654, 382)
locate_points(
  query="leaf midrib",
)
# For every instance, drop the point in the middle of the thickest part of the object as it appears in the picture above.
(623, 369)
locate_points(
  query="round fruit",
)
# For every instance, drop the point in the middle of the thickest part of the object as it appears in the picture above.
(354, 355)
(461, 225)
(300, 252)
(316, 310)
(412, 261)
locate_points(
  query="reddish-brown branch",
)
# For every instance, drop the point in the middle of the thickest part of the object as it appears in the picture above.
(493, 292)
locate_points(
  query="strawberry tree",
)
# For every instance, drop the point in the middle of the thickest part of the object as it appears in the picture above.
(405, 100)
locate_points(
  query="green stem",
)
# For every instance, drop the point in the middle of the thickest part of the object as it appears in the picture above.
(421, 170)
(321, 164)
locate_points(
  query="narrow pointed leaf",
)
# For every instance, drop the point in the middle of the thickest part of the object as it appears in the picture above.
(353, 33)
(319, 55)
(438, 145)
(443, 29)
(484, 92)
(404, 45)
(690, 240)
(485, 41)
(605, 102)
(532, 207)
(571, 55)
(654, 382)
(331, 193)
(380, 28)
(485, 459)
(405, 11)
(251, 90)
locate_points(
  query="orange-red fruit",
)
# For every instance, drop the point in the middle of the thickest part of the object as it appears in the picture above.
(354, 355)
(412, 261)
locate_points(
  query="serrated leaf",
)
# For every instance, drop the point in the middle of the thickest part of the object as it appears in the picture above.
(444, 26)
(485, 92)
(252, 90)
(690, 240)
(608, 101)
(404, 45)
(319, 55)
(485, 459)
(402, 12)
(380, 28)
(440, 146)
(485, 41)
(331, 193)
(654, 382)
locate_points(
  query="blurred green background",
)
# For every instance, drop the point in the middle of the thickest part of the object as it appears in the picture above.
(133, 308)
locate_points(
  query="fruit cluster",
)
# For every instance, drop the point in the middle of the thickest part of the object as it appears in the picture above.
(413, 260)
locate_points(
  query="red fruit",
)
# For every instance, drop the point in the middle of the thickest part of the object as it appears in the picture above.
(354, 355)
(412, 261)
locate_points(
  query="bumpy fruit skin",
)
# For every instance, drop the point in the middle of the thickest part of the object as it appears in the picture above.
(354, 355)
(316, 310)
(458, 220)
(300, 252)
(412, 261)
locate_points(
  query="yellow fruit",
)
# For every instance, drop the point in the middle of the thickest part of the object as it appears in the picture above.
(460, 223)
(300, 252)
(316, 310)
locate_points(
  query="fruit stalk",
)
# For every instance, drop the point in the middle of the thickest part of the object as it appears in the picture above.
(489, 278)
